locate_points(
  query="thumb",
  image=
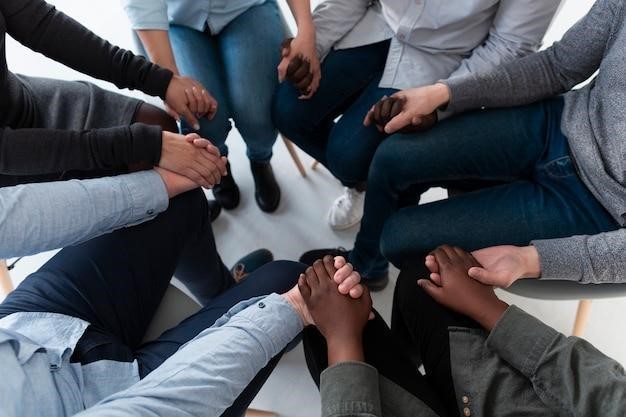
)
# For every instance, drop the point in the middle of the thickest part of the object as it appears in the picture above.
(282, 69)
(401, 120)
(480, 274)
(431, 289)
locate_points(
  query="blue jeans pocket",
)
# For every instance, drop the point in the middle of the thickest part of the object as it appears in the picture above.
(559, 168)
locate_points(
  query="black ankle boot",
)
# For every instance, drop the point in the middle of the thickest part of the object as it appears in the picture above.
(227, 192)
(267, 191)
(215, 208)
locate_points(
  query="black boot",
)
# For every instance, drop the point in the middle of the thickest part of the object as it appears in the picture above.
(227, 192)
(267, 192)
(215, 208)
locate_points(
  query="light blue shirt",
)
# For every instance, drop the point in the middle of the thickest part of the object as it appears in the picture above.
(435, 39)
(211, 370)
(196, 14)
(45, 216)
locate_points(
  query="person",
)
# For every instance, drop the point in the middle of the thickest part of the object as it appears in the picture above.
(53, 129)
(547, 164)
(233, 49)
(71, 333)
(480, 355)
(373, 49)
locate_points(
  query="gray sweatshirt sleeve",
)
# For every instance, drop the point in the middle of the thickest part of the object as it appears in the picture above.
(569, 374)
(556, 70)
(593, 259)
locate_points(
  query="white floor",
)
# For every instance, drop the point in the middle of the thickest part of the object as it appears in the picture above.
(299, 224)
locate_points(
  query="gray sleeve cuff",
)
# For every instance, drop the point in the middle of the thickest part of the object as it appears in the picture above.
(147, 194)
(463, 94)
(521, 340)
(349, 389)
(561, 259)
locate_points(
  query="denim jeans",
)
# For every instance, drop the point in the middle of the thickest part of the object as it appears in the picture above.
(117, 281)
(538, 195)
(348, 88)
(238, 67)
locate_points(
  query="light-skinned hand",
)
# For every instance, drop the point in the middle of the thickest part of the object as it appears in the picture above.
(503, 265)
(300, 64)
(187, 98)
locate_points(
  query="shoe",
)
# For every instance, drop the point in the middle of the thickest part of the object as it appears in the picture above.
(215, 208)
(266, 189)
(227, 191)
(347, 210)
(250, 263)
(373, 283)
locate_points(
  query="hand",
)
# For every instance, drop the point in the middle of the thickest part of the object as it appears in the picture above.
(300, 64)
(175, 184)
(389, 107)
(200, 165)
(418, 103)
(340, 319)
(188, 98)
(503, 265)
(202, 143)
(451, 287)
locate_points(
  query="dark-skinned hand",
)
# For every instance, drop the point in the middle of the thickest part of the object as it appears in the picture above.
(338, 317)
(299, 71)
(389, 107)
(452, 287)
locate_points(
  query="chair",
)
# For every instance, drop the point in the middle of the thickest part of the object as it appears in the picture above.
(567, 290)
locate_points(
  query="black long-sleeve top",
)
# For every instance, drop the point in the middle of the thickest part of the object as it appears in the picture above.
(28, 150)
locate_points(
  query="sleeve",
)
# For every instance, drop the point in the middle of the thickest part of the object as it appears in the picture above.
(213, 369)
(553, 71)
(333, 19)
(567, 373)
(147, 14)
(593, 259)
(349, 389)
(46, 216)
(517, 30)
(39, 26)
(45, 151)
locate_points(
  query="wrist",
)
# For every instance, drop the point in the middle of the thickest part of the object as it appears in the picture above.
(345, 349)
(491, 313)
(532, 262)
(306, 31)
(440, 95)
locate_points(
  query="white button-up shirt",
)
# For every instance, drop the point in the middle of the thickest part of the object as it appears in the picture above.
(435, 39)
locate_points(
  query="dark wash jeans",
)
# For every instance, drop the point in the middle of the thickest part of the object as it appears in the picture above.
(538, 195)
(348, 88)
(117, 281)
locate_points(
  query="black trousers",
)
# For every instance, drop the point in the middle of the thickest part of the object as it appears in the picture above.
(117, 281)
(418, 335)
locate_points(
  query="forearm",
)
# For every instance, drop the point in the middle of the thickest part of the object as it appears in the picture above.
(301, 10)
(44, 151)
(568, 374)
(45, 216)
(214, 368)
(158, 46)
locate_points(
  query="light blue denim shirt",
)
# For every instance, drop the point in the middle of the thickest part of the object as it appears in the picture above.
(214, 368)
(45, 216)
(435, 39)
(196, 14)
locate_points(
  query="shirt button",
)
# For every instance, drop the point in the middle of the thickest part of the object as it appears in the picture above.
(150, 212)
(465, 399)
(467, 412)
(401, 37)
(261, 305)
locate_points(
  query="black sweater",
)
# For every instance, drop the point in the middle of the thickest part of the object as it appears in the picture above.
(28, 150)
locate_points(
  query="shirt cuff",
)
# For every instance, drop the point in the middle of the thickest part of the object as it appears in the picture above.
(462, 94)
(521, 340)
(350, 388)
(147, 194)
(147, 141)
(561, 259)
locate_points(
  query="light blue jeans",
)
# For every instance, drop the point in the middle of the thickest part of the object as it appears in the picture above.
(238, 67)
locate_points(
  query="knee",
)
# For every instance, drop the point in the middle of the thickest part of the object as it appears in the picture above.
(383, 168)
(407, 238)
(288, 113)
(284, 274)
(152, 115)
(350, 164)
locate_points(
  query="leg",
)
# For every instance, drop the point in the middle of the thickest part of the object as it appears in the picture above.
(116, 282)
(422, 324)
(345, 74)
(497, 145)
(275, 277)
(383, 353)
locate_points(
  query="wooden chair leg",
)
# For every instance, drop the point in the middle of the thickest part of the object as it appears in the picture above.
(258, 413)
(294, 155)
(582, 317)
(6, 285)
(314, 165)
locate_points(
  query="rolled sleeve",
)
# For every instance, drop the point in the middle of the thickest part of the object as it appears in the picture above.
(350, 388)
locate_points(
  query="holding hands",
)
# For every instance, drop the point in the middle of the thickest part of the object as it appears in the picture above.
(388, 108)
(300, 64)
(187, 98)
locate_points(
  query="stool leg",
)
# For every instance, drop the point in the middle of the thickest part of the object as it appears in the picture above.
(258, 413)
(582, 317)
(314, 165)
(6, 285)
(294, 155)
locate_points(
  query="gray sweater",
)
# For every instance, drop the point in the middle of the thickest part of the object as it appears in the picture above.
(594, 118)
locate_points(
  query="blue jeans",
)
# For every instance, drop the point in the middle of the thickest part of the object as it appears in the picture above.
(535, 193)
(117, 281)
(238, 67)
(348, 88)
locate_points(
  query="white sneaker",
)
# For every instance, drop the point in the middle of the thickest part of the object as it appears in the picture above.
(347, 210)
